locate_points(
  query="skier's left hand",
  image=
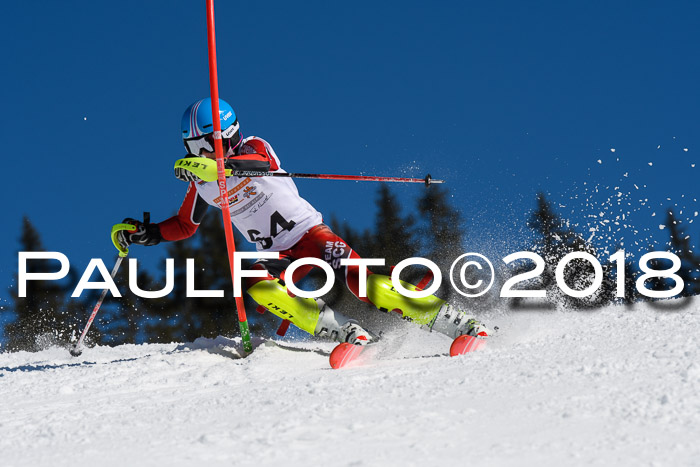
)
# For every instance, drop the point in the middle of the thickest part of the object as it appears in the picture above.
(185, 175)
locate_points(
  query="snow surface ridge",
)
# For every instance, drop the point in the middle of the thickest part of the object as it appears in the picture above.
(618, 386)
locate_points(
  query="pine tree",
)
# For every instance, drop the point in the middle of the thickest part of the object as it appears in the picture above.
(681, 245)
(443, 232)
(41, 317)
(394, 235)
(555, 239)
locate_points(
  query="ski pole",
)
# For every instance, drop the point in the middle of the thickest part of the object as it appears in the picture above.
(206, 169)
(220, 176)
(428, 180)
(77, 349)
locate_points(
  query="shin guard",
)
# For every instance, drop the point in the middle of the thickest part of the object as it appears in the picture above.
(384, 296)
(301, 312)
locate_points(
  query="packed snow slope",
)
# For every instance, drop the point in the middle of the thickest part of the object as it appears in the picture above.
(619, 386)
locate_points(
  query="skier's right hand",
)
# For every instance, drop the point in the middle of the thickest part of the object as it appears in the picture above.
(145, 234)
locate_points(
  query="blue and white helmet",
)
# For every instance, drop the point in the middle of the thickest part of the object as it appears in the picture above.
(197, 124)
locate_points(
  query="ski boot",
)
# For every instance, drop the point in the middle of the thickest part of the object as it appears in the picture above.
(454, 323)
(340, 328)
(430, 312)
(308, 314)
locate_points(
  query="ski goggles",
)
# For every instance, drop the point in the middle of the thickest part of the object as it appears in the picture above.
(229, 140)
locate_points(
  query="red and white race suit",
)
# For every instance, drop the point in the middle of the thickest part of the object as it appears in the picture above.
(268, 211)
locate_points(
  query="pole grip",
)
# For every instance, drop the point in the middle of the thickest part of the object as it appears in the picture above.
(116, 228)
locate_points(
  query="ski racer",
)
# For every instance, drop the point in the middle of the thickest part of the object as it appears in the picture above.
(269, 212)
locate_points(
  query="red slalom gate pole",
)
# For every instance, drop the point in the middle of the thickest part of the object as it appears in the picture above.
(218, 148)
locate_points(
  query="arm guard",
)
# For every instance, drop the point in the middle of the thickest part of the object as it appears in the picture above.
(245, 162)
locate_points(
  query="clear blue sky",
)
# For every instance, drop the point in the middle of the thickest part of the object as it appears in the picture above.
(501, 99)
